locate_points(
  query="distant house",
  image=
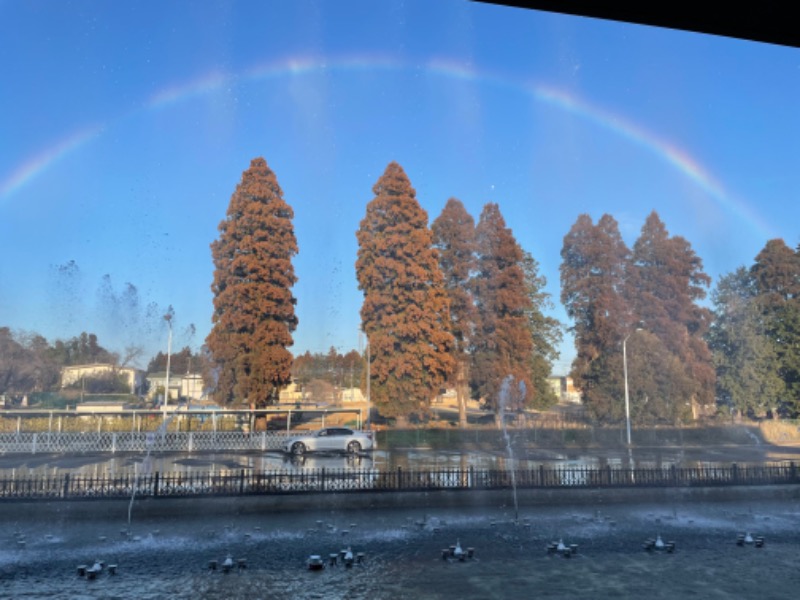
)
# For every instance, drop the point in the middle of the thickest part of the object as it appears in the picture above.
(352, 395)
(188, 385)
(192, 386)
(564, 389)
(448, 397)
(101, 406)
(291, 394)
(76, 373)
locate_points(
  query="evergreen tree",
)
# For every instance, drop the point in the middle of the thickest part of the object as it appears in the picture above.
(666, 282)
(17, 374)
(776, 274)
(253, 317)
(545, 331)
(503, 345)
(183, 361)
(594, 268)
(405, 313)
(454, 238)
(744, 355)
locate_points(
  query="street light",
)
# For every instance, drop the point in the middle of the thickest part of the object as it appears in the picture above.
(625, 371)
(168, 319)
(369, 376)
(369, 360)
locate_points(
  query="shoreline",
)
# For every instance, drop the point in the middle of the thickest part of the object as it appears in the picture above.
(168, 507)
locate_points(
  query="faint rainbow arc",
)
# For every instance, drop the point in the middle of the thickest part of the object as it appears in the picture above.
(296, 66)
(47, 158)
(668, 152)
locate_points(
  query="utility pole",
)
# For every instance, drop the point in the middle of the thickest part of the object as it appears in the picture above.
(168, 319)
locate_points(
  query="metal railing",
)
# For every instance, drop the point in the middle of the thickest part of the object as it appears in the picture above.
(243, 482)
(156, 441)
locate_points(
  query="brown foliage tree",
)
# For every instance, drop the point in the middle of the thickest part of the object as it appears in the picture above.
(776, 274)
(405, 313)
(666, 281)
(454, 238)
(253, 317)
(593, 278)
(503, 344)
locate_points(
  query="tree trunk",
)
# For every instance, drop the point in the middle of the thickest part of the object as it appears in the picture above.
(462, 394)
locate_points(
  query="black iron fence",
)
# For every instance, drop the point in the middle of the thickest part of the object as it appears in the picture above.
(243, 482)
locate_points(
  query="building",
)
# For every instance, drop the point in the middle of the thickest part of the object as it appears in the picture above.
(351, 395)
(291, 394)
(75, 374)
(564, 389)
(102, 406)
(188, 386)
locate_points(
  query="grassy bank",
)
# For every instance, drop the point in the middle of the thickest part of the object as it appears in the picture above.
(579, 438)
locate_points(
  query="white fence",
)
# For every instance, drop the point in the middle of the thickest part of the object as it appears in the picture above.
(67, 431)
(51, 442)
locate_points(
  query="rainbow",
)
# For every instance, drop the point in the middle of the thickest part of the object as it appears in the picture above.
(673, 155)
(35, 166)
(298, 66)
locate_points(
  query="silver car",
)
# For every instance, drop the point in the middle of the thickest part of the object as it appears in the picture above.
(329, 439)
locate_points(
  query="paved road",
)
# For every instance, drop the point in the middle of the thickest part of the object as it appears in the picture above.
(409, 458)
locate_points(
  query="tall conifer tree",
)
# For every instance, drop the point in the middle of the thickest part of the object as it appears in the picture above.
(405, 313)
(503, 345)
(776, 274)
(595, 263)
(546, 332)
(666, 283)
(454, 238)
(253, 317)
(744, 354)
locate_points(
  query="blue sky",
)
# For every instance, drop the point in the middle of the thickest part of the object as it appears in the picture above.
(126, 127)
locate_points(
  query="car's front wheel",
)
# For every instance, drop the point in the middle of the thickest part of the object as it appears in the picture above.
(298, 448)
(354, 447)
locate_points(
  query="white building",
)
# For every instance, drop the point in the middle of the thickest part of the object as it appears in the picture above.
(188, 386)
(76, 373)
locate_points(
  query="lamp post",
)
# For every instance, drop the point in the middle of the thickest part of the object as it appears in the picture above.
(168, 319)
(367, 350)
(369, 403)
(625, 372)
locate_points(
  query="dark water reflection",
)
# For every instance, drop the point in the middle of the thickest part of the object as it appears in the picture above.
(168, 557)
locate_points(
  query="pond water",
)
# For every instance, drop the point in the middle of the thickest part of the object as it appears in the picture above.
(158, 558)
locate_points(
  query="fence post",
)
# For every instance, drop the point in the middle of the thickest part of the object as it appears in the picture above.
(734, 473)
(322, 480)
(241, 482)
(541, 475)
(33, 448)
(792, 471)
(399, 484)
(113, 443)
(155, 484)
(65, 491)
